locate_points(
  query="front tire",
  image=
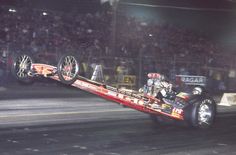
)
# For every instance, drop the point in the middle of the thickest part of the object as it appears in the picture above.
(20, 68)
(68, 69)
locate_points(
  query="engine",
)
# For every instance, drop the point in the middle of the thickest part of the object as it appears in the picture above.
(156, 85)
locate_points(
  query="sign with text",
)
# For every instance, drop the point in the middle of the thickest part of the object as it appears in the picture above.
(191, 80)
(129, 79)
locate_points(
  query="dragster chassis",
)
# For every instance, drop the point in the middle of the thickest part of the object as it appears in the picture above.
(125, 97)
(24, 69)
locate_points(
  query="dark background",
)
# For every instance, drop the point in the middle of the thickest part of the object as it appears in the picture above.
(213, 17)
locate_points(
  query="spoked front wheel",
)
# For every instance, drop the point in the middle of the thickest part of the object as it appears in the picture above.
(68, 69)
(20, 68)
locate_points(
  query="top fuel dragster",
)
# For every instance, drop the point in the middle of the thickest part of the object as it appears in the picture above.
(156, 98)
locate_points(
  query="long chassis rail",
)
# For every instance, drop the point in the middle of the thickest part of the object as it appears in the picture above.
(129, 98)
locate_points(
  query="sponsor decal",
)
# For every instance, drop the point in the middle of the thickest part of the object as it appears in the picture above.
(87, 85)
(177, 111)
(155, 106)
(166, 108)
(43, 68)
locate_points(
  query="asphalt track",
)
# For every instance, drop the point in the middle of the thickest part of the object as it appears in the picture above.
(57, 120)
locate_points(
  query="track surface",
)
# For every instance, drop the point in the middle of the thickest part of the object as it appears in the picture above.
(54, 120)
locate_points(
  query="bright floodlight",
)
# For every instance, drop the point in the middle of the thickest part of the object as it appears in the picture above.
(45, 13)
(12, 10)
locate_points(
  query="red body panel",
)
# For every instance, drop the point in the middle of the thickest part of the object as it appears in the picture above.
(142, 104)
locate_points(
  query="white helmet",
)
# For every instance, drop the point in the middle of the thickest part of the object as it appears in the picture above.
(197, 91)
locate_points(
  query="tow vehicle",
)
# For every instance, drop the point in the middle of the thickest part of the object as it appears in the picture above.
(157, 98)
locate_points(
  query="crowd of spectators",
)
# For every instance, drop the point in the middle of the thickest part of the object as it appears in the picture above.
(38, 31)
(94, 38)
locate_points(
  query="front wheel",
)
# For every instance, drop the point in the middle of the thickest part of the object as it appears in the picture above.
(20, 68)
(68, 69)
(203, 113)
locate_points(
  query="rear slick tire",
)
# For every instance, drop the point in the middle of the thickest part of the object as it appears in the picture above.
(203, 114)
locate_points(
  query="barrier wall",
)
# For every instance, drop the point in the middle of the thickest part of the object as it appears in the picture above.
(228, 99)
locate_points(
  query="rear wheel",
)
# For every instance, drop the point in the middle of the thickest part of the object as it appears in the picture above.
(20, 68)
(203, 113)
(68, 69)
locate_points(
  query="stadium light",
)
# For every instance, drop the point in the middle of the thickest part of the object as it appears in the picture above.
(12, 10)
(45, 13)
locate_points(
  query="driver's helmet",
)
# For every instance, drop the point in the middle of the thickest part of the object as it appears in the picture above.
(197, 90)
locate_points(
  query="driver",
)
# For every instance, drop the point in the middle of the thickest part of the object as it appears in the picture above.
(165, 89)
